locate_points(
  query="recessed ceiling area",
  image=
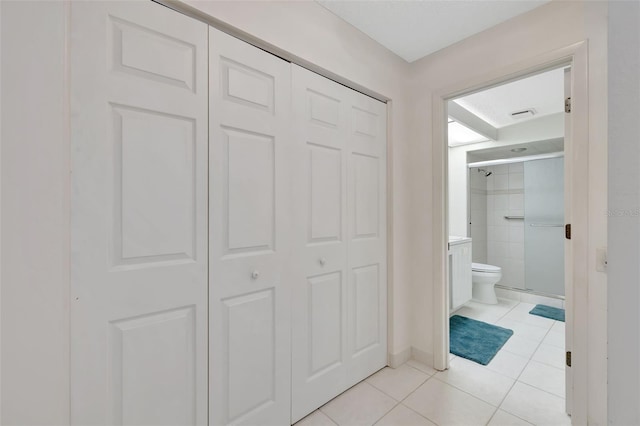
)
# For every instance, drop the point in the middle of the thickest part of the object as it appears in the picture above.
(489, 113)
(414, 29)
(543, 93)
(512, 151)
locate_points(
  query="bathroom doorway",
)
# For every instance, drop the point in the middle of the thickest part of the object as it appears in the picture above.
(506, 202)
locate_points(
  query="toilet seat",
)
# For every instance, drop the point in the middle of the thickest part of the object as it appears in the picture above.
(481, 267)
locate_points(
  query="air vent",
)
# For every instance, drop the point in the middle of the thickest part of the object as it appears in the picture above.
(526, 113)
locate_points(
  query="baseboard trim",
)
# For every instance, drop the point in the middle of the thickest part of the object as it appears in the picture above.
(399, 358)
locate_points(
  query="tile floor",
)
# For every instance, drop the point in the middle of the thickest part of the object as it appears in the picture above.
(522, 385)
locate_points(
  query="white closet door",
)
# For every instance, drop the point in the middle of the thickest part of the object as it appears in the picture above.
(339, 253)
(250, 301)
(139, 226)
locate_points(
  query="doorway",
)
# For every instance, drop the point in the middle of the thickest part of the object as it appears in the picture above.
(488, 151)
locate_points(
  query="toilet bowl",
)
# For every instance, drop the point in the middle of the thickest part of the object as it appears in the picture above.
(483, 278)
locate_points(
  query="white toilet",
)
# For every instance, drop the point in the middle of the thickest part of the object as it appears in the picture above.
(484, 277)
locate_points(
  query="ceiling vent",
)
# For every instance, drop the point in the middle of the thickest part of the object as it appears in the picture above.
(525, 113)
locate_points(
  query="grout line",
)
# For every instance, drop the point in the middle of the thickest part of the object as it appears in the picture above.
(517, 379)
(467, 392)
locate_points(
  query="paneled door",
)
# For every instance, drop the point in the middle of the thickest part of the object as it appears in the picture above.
(139, 225)
(249, 211)
(339, 232)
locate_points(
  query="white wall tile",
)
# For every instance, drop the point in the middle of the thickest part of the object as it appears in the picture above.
(516, 234)
(490, 182)
(516, 181)
(516, 167)
(516, 250)
(516, 202)
(501, 169)
(501, 202)
(501, 182)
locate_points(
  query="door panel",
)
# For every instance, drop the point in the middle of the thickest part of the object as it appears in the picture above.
(367, 247)
(339, 252)
(544, 225)
(250, 301)
(139, 190)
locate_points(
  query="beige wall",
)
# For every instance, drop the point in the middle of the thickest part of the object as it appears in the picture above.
(35, 215)
(624, 220)
(550, 27)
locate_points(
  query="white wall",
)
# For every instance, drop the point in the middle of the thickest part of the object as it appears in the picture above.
(458, 191)
(552, 26)
(35, 215)
(624, 219)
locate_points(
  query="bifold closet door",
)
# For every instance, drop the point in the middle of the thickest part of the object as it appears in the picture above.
(139, 224)
(339, 232)
(249, 211)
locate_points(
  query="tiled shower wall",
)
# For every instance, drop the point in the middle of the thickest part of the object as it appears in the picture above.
(505, 237)
(478, 215)
(496, 240)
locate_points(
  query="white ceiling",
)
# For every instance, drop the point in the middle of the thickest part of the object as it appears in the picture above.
(413, 29)
(501, 152)
(543, 93)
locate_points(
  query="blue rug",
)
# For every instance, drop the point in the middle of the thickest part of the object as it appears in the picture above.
(476, 340)
(548, 312)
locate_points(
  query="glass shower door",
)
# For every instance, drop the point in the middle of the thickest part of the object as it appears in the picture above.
(544, 225)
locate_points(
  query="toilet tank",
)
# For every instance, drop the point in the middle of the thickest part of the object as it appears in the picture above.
(460, 285)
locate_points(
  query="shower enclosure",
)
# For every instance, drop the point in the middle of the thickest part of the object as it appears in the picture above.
(544, 225)
(516, 212)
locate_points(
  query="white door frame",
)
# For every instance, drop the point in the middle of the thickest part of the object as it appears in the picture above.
(577, 179)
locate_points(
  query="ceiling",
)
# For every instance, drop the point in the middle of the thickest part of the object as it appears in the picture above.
(544, 93)
(414, 29)
(501, 152)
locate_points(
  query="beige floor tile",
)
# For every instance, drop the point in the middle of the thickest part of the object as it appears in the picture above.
(398, 382)
(558, 327)
(555, 339)
(362, 405)
(403, 416)
(544, 377)
(477, 380)
(317, 418)
(443, 404)
(527, 318)
(551, 355)
(524, 330)
(422, 367)
(535, 406)
(521, 346)
(502, 418)
(508, 364)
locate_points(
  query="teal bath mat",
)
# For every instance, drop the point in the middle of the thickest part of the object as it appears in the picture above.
(476, 340)
(548, 312)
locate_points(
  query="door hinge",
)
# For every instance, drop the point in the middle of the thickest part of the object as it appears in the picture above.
(567, 231)
(567, 105)
(568, 359)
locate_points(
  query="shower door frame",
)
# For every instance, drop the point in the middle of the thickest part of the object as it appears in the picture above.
(576, 210)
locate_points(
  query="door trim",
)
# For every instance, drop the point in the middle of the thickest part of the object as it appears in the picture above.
(576, 157)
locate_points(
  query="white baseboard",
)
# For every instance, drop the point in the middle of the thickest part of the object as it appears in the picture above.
(399, 358)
